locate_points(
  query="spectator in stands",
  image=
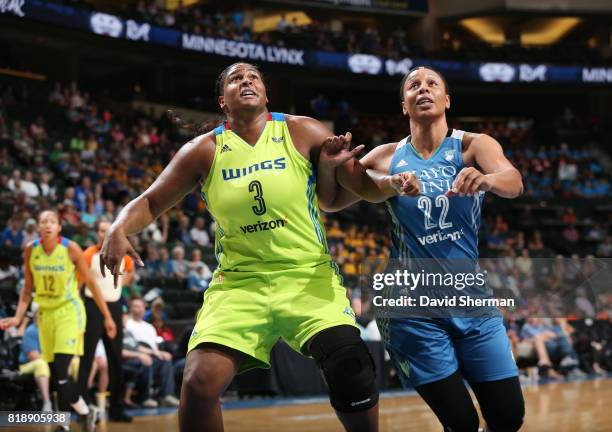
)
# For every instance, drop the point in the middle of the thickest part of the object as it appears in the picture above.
(604, 250)
(494, 240)
(569, 216)
(69, 214)
(179, 266)
(571, 234)
(534, 332)
(524, 264)
(13, 235)
(182, 234)
(46, 190)
(146, 336)
(138, 369)
(198, 233)
(535, 243)
(501, 226)
(37, 129)
(158, 318)
(162, 265)
(110, 210)
(30, 232)
(596, 233)
(31, 361)
(81, 194)
(153, 232)
(199, 277)
(77, 143)
(17, 183)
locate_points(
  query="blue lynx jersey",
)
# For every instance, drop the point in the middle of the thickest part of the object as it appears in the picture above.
(432, 225)
(437, 234)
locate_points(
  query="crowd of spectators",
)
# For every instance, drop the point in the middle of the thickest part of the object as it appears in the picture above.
(383, 36)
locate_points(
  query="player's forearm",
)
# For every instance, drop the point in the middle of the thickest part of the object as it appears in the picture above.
(369, 185)
(134, 217)
(507, 183)
(326, 186)
(24, 301)
(380, 186)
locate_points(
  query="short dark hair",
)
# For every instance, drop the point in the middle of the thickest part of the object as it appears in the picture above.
(405, 78)
(225, 72)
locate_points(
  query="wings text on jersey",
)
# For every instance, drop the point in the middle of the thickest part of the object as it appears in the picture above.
(235, 173)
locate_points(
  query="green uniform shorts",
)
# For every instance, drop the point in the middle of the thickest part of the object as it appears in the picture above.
(250, 311)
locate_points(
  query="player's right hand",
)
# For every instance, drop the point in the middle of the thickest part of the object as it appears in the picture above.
(8, 322)
(115, 247)
(405, 184)
(336, 150)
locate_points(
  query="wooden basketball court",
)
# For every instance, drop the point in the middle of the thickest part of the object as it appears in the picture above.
(559, 407)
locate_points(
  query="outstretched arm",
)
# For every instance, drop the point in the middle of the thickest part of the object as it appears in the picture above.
(187, 167)
(369, 178)
(315, 139)
(498, 175)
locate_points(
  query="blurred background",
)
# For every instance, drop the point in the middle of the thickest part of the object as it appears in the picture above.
(85, 86)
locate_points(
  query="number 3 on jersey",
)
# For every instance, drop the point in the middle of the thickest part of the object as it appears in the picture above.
(260, 208)
(424, 204)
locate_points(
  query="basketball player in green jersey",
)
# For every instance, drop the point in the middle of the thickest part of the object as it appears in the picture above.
(50, 266)
(259, 178)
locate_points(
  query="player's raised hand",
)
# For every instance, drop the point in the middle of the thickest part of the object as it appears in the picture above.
(336, 150)
(115, 247)
(405, 184)
(469, 182)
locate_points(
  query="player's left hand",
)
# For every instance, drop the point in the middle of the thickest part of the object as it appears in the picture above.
(469, 182)
(110, 327)
(336, 150)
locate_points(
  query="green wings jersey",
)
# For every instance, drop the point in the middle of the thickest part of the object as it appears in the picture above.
(263, 199)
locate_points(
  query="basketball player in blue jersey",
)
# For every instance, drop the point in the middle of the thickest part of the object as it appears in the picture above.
(452, 170)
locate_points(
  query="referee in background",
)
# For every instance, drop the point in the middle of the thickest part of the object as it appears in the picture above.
(95, 326)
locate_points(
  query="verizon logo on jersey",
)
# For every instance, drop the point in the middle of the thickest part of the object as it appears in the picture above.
(440, 236)
(263, 226)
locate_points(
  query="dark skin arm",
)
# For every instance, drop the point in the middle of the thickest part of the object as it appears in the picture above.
(368, 178)
(495, 173)
(190, 164)
(309, 137)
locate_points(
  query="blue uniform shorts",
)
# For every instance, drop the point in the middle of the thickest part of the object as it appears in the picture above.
(426, 350)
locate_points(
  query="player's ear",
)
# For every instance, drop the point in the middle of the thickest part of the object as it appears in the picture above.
(447, 101)
(221, 102)
(404, 107)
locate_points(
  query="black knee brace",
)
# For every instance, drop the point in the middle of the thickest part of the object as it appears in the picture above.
(348, 368)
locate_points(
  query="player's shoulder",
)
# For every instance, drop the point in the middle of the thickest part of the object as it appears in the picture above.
(383, 150)
(475, 139)
(202, 142)
(29, 247)
(379, 157)
(303, 123)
